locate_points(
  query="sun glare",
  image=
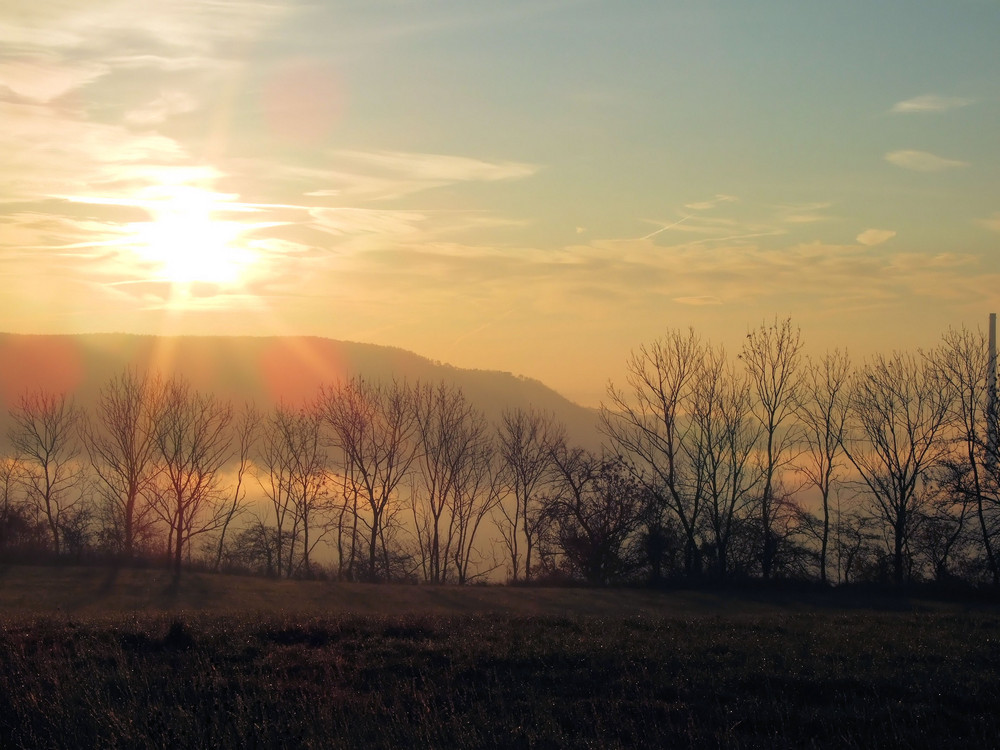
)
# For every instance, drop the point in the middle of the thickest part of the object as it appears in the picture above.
(186, 243)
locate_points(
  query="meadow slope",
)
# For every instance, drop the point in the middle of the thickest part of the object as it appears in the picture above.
(91, 657)
(89, 591)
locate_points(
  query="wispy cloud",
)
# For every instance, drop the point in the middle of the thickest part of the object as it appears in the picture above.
(164, 106)
(42, 78)
(993, 222)
(628, 278)
(922, 161)
(439, 167)
(351, 221)
(804, 213)
(50, 151)
(72, 101)
(93, 26)
(930, 103)
(872, 237)
(366, 176)
(704, 299)
(709, 204)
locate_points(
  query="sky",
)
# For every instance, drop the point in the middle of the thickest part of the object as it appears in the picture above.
(535, 186)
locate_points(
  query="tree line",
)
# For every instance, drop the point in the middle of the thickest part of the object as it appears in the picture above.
(769, 464)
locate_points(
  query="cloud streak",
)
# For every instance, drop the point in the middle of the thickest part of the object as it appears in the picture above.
(922, 161)
(930, 103)
(872, 237)
(993, 222)
(709, 204)
(438, 168)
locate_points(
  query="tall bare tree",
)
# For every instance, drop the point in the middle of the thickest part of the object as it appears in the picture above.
(726, 435)
(121, 442)
(194, 445)
(476, 496)
(650, 425)
(454, 445)
(772, 354)
(899, 409)
(963, 358)
(45, 438)
(276, 464)
(525, 442)
(373, 433)
(309, 484)
(233, 502)
(346, 521)
(823, 412)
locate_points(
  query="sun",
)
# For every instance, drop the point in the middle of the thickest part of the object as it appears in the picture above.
(186, 242)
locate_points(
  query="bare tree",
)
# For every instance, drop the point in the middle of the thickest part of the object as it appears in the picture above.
(899, 409)
(194, 445)
(453, 448)
(18, 529)
(346, 519)
(44, 435)
(373, 433)
(596, 509)
(525, 442)
(963, 358)
(253, 549)
(772, 354)
(121, 442)
(823, 414)
(651, 426)
(857, 546)
(476, 496)
(725, 435)
(308, 482)
(941, 536)
(274, 477)
(296, 479)
(229, 508)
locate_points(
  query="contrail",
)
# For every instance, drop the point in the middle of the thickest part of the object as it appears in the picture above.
(772, 233)
(665, 228)
(482, 327)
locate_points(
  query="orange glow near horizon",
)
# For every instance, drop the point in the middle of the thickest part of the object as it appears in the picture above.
(48, 363)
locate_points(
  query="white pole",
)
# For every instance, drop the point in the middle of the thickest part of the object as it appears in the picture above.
(991, 395)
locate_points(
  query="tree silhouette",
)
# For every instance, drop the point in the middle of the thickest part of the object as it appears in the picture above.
(899, 408)
(121, 441)
(373, 428)
(651, 425)
(526, 439)
(596, 508)
(194, 445)
(772, 354)
(46, 443)
(823, 413)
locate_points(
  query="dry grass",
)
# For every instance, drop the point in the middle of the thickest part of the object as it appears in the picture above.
(90, 591)
(88, 659)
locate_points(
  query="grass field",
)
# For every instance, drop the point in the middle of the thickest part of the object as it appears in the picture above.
(92, 659)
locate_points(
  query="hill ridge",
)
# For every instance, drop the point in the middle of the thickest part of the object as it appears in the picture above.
(266, 369)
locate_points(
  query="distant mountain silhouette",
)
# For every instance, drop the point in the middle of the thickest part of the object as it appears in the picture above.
(266, 370)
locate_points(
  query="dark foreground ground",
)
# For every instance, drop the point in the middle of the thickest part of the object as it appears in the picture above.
(745, 676)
